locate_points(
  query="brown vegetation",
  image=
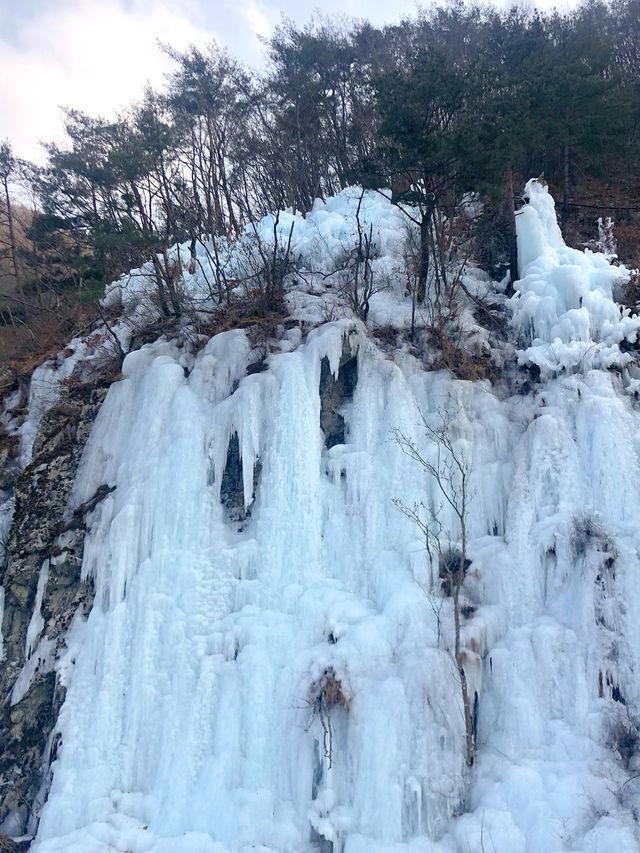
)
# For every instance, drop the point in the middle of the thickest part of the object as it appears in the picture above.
(325, 695)
(455, 358)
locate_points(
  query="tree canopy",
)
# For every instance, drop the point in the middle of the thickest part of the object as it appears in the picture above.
(459, 99)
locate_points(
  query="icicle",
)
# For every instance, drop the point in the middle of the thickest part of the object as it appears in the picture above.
(37, 622)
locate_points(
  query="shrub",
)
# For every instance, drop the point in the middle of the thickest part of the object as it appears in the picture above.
(623, 737)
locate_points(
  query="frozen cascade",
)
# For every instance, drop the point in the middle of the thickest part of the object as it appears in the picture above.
(564, 306)
(191, 721)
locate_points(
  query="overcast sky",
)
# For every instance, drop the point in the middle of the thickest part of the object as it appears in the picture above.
(97, 55)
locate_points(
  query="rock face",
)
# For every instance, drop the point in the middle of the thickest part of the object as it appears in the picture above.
(7, 845)
(232, 486)
(334, 392)
(41, 579)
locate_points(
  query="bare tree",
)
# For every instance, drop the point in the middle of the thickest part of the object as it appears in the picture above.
(360, 286)
(266, 263)
(355, 268)
(7, 168)
(450, 471)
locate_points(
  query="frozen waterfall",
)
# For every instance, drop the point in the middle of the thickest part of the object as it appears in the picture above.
(193, 721)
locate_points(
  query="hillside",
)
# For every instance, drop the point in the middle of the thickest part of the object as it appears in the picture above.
(278, 581)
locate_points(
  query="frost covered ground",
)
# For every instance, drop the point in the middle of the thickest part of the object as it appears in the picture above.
(192, 722)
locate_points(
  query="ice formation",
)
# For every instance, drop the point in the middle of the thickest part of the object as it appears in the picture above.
(564, 307)
(285, 682)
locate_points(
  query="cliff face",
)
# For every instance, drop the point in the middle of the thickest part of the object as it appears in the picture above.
(224, 630)
(43, 591)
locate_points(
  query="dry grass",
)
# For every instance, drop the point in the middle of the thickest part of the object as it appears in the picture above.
(387, 335)
(459, 361)
(252, 310)
(27, 343)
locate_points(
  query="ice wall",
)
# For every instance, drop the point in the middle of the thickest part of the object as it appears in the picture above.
(190, 705)
(192, 720)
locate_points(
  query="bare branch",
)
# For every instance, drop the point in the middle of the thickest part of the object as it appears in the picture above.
(450, 473)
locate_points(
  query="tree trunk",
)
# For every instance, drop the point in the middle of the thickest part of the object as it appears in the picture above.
(162, 297)
(233, 223)
(466, 705)
(215, 184)
(170, 279)
(192, 254)
(12, 238)
(423, 272)
(513, 242)
(565, 187)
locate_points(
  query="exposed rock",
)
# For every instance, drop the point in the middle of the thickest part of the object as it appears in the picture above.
(232, 485)
(42, 539)
(8, 845)
(334, 393)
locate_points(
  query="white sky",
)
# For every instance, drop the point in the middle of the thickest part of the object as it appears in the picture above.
(97, 55)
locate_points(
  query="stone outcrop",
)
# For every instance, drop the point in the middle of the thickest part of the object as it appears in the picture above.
(334, 393)
(232, 484)
(43, 591)
(8, 845)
